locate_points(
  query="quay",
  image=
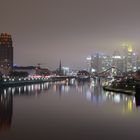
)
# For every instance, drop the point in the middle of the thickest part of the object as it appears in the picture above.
(9, 82)
(130, 88)
(129, 92)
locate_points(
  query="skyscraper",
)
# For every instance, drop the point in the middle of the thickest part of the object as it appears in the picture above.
(6, 53)
(129, 57)
(100, 62)
(117, 60)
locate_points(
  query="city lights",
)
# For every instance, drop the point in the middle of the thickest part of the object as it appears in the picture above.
(125, 61)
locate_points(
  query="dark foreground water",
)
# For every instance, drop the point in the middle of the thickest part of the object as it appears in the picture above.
(70, 111)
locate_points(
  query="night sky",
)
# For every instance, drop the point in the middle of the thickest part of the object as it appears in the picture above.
(45, 31)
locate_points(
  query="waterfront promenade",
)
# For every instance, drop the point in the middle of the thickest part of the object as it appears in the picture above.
(130, 86)
(118, 90)
(8, 82)
(13, 82)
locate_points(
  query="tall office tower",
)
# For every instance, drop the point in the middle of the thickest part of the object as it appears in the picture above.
(127, 57)
(88, 63)
(134, 62)
(100, 62)
(138, 62)
(117, 60)
(6, 53)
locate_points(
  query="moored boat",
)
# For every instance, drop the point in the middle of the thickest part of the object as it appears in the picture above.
(83, 75)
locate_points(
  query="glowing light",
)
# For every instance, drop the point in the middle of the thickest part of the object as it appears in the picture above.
(88, 58)
(93, 70)
(47, 77)
(130, 48)
(130, 105)
(19, 90)
(116, 57)
(5, 92)
(13, 91)
(117, 98)
(25, 88)
(35, 76)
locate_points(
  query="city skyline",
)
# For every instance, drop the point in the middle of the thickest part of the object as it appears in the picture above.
(49, 31)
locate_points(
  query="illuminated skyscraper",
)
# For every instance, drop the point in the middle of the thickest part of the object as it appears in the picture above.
(100, 62)
(129, 58)
(138, 62)
(117, 60)
(6, 53)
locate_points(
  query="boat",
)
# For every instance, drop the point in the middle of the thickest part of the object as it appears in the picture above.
(83, 75)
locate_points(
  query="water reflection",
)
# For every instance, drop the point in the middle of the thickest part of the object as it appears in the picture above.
(63, 86)
(6, 109)
(94, 93)
(91, 90)
(49, 106)
(34, 89)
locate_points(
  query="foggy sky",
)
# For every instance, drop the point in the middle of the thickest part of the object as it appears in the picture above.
(45, 31)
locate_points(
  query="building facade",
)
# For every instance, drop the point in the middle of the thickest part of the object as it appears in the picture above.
(117, 60)
(99, 62)
(6, 53)
(126, 61)
(129, 58)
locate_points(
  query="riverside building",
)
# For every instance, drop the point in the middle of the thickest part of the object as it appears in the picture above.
(6, 53)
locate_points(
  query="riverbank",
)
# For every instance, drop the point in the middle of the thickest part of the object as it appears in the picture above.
(20, 82)
(10, 82)
(129, 92)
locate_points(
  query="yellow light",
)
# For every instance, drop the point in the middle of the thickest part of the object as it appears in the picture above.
(130, 48)
(127, 46)
(130, 105)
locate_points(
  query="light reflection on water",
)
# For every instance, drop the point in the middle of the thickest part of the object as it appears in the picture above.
(87, 91)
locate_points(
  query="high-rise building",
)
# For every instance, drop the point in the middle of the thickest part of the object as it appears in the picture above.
(117, 60)
(129, 58)
(126, 61)
(6, 53)
(138, 62)
(100, 62)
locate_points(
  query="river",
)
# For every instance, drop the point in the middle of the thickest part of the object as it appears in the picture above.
(69, 110)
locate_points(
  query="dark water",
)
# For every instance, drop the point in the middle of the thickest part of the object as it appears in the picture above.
(70, 111)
